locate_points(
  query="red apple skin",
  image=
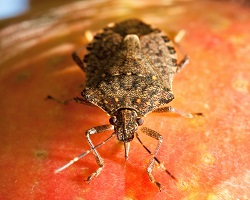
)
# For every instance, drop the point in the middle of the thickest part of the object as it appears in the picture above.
(208, 155)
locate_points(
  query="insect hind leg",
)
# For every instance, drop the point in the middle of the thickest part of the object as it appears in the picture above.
(185, 59)
(77, 59)
(182, 63)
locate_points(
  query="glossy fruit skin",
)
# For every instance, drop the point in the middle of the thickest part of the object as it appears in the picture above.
(38, 135)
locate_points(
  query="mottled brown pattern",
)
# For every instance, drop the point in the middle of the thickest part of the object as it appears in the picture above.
(129, 72)
(130, 65)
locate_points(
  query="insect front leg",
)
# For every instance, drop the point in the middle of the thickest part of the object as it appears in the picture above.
(157, 136)
(99, 160)
(178, 112)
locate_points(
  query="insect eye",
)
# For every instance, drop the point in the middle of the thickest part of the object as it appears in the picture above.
(112, 120)
(139, 121)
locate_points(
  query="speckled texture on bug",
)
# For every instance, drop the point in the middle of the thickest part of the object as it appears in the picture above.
(130, 65)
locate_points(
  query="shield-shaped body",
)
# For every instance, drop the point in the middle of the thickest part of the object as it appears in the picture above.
(130, 65)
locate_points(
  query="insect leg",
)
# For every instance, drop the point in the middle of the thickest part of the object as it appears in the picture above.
(82, 101)
(99, 160)
(174, 110)
(77, 59)
(80, 62)
(59, 100)
(76, 99)
(150, 167)
(182, 63)
(184, 60)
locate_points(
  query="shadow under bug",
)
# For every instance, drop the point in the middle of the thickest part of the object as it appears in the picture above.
(129, 70)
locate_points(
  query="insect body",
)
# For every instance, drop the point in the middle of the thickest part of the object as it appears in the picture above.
(129, 72)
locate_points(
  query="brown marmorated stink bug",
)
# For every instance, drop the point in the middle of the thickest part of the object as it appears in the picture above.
(129, 72)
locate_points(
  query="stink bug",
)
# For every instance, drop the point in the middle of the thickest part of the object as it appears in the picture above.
(129, 72)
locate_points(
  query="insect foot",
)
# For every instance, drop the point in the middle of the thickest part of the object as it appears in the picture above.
(129, 69)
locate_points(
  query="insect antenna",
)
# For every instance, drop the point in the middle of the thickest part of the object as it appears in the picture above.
(82, 155)
(157, 160)
(72, 161)
(163, 167)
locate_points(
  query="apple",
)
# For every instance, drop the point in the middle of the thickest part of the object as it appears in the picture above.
(209, 155)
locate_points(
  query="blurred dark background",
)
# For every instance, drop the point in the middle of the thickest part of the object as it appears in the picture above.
(13, 8)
